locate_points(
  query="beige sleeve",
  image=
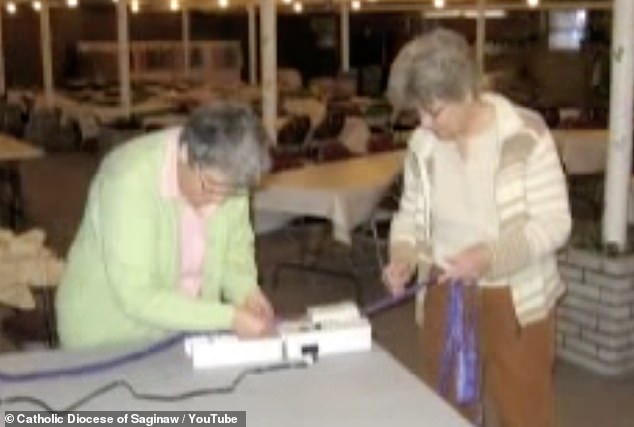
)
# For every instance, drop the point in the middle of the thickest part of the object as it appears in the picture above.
(406, 241)
(546, 224)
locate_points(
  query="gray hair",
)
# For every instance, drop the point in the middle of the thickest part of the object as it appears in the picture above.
(435, 65)
(230, 137)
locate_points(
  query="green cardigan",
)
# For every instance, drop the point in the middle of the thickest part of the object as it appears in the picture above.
(121, 282)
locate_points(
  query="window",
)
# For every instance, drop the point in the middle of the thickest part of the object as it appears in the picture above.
(567, 29)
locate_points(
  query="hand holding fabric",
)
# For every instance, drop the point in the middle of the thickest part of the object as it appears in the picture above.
(469, 265)
(396, 275)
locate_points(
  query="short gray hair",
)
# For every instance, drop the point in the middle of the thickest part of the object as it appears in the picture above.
(435, 65)
(230, 137)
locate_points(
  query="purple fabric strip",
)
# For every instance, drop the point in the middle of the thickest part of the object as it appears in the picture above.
(460, 353)
(389, 302)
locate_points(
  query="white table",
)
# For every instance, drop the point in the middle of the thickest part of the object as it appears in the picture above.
(13, 149)
(106, 114)
(343, 192)
(582, 151)
(363, 389)
(161, 121)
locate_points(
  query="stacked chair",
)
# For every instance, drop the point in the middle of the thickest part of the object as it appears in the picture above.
(291, 143)
(49, 129)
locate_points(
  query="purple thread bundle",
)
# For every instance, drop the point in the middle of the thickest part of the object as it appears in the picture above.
(460, 353)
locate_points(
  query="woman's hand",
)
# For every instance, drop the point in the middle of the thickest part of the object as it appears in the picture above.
(254, 317)
(469, 265)
(396, 275)
(259, 305)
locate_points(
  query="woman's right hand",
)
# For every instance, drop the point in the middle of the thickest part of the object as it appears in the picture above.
(396, 275)
(246, 324)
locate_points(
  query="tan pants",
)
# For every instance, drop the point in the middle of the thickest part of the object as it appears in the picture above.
(517, 363)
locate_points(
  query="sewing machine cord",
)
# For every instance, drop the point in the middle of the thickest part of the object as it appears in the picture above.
(97, 367)
(227, 389)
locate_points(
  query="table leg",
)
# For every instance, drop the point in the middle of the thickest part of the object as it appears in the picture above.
(47, 298)
(309, 263)
(14, 209)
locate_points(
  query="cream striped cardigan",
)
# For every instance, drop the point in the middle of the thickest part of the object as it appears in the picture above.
(532, 207)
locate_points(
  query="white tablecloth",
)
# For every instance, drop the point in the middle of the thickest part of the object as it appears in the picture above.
(164, 120)
(13, 149)
(344, 192)
(363, 389)
(583, 151)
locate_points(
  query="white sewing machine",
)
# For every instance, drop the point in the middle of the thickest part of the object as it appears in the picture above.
(325, 330)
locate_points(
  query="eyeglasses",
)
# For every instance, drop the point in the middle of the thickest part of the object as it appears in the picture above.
(213, 186)
(433, 114)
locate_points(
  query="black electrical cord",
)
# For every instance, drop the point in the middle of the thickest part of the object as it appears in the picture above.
(368, 311)
(227, 389)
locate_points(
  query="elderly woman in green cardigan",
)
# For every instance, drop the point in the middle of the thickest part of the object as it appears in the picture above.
(166, 242)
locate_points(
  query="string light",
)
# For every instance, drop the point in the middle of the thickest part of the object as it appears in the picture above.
(134, 6)
(356, 4)
(439, 4)
(37, 5)
(72, 3)
(11, 8)
(532, 3)
(298, 7)
(174, 5)
(223, 3)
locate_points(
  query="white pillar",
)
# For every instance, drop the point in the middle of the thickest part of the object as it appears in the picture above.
(3, 78)
(47, 54)
(253, 66)
(268, 45)
(344, 36)
(185, 30)
(621, 102)
(123, 38)
(481, 36)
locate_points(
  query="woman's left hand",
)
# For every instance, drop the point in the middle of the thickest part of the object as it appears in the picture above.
(469, 265)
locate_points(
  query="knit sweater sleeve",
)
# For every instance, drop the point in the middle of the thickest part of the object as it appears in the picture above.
(241, 272)
(538, 222)
(407, 240)
(124, 217)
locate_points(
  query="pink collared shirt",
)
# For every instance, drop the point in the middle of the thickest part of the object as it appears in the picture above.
(192, 230)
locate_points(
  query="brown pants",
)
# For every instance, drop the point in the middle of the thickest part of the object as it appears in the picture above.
(516, 363)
